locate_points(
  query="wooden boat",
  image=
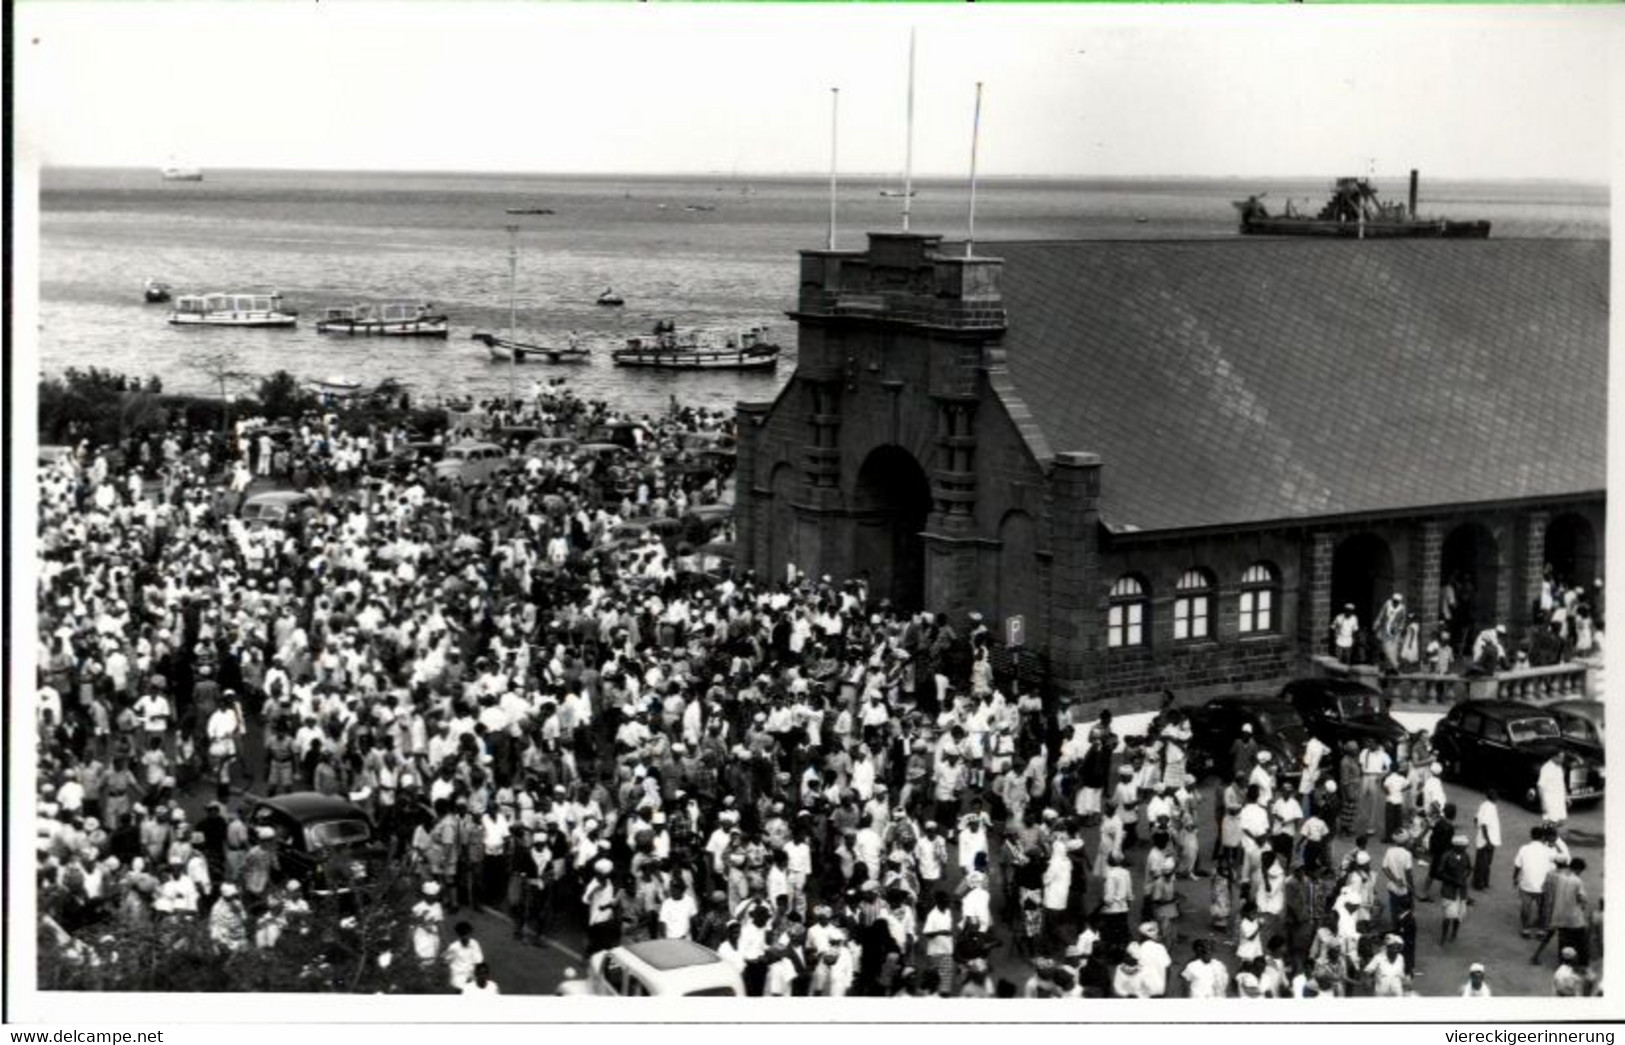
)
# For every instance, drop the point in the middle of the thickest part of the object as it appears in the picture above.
(610, 298)
(334, 387)
(177, 173)
(233, 310)
(390, 319)
(509, 350)
(1354, 212)
(667, 350)
(156, 291)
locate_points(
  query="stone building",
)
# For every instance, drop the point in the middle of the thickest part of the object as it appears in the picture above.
(1167, 463)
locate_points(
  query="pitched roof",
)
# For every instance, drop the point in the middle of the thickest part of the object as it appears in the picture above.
(1247, 380)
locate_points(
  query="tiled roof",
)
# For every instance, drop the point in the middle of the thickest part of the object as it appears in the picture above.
(1246, 380)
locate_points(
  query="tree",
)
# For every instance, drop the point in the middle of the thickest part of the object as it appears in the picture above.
(223, 367)
(281, 396)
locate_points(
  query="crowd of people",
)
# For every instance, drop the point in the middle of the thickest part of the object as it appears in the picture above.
(551, 708)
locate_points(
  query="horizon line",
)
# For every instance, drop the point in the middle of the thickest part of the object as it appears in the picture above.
(737, 176)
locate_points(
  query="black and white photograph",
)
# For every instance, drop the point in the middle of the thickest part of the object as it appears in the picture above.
(860, 506)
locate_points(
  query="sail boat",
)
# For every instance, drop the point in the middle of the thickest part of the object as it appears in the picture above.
(173, 171)
(511, 350)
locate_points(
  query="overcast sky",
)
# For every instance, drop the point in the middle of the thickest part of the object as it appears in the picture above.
(544, 88)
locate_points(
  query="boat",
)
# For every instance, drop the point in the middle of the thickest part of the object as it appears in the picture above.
(1355, 212)
(700, 207)
(530, 210)
(333, 387)
(389, 319)
(898, 194)
(668, 350)
(507, 349)
(610, 298)
(233, 310)
(156, 291)
(176, 173)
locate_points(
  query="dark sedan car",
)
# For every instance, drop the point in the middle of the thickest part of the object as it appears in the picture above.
(1340, 710)
(1504, 743)
(1582, 724)
(1215, 726)
(326, 842)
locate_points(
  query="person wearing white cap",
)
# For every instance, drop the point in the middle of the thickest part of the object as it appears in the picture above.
(1345, 626)
(1553, 788)
(1386, 970)
(228, 924)
(1390, 629)
(1476, 986)
(600, 898)
(427, 914)
(1568, 981)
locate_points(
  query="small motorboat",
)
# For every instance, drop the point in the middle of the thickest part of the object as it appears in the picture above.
(233, 310)
(610, 298)
(156, 291)
(390, 319)
(667, 350)
(333, 387)
(175, 172)
(531, 210)
(509, 350)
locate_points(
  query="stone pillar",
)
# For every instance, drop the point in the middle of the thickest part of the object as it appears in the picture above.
(1315, 612)
(1427, 545)
(1073, 630)
(1527, 561)
(749, 501)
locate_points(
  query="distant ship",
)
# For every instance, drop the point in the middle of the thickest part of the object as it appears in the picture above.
(531, 210)
(899, 193)
(1354, 212)
(174, 173)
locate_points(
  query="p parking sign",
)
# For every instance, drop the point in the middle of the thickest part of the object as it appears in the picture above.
(1015, 631)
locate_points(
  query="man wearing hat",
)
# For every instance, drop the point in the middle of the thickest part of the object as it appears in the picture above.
(1386, 971)
(1476, 986)
(603, 923)
(1345, 626)
(1453, 871)
(427, 914)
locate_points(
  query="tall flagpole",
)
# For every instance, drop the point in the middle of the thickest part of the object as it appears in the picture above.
(908, 148)
(975, 131)
(834, 124)
(513, 313)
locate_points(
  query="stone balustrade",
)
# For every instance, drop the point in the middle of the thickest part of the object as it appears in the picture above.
(1567, 681)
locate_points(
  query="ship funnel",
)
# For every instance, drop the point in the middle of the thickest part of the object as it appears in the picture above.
(1413, 193)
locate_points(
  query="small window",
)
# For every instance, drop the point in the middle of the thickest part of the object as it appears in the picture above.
(1193, 605)
(1257, 602)
(1471, 722)
(614, 975)
(1125, 618)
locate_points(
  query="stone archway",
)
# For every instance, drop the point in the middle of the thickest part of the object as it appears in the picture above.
(1018, 587)
(1571, 550)
(890, 505)
(1470, 562)
(781, 521)
(1362, 575)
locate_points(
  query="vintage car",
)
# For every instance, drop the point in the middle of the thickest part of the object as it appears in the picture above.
(275, 506)
(1216, 725)
(1582, 724)
(1504, 743)
(472, 463)
(325, 842)
(1340, 710)
(656, 968)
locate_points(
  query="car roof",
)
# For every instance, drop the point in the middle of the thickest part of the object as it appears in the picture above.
(665, 955)
(305, 806)
(476, 446)
(278, 497)
(1592, 709)
(1331, 685)
(1506, 708)
(1251, 700)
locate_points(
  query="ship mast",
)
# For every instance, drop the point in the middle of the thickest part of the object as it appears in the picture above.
(908, 148)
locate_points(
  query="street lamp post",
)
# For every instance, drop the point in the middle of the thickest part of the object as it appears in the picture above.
(513, 315)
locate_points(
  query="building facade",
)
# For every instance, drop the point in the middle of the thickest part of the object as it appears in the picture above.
(1167, 464)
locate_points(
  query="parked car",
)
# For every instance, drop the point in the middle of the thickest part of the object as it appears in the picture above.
(1503, 744)
(1216, 725)
(326, 842)
(407, 458)
(472, 462)
(275, 506)
(1340, 710)
(546, 446)
(1581, 722)
(656, 968)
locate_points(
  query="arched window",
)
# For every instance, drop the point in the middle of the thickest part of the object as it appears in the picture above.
(1125, 619)
(1193, 605)
(1257, 599)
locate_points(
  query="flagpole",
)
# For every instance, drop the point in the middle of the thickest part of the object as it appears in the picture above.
(908, 148)
(834, 125)
(975, 133)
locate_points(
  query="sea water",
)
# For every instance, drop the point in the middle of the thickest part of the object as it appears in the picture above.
(716, 252)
